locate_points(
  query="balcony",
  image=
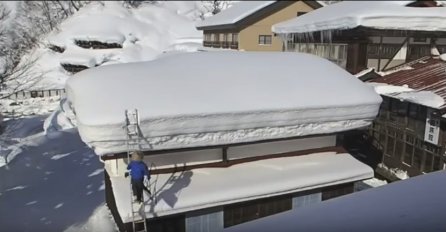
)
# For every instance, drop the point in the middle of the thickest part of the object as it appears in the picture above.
(217, 44)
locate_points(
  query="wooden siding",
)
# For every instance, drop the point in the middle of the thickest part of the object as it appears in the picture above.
(398, 132)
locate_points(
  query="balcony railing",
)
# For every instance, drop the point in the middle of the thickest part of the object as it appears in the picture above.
(214, 44)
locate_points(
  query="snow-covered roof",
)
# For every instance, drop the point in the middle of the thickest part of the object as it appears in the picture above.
(242, 182)
(237, 12)
(422, 81)
(373, 14)
(412, 205)
(214, 98)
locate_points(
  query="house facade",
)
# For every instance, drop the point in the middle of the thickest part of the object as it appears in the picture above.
(180, 177)
(249, 154)
(247, 25)
(348, 34)
(410, 130)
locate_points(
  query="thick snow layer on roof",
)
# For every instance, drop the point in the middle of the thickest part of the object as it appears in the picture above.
(192, 99)
(78, 59)
(412, 205)
(374, 14)
(426, 98)
(176, 193)
(144, 33)
(235, 13)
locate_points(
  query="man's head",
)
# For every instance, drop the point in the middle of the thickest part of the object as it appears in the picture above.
(137, 155)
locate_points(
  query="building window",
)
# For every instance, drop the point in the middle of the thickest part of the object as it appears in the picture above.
(235, 37)
(428, 161)
(419, 39)
(308, 199)
(205, 220)
(248, 211)
(229, 36)
(265, 39)
(408, 154)
(217, 37)
(299, 13)
(336, 53)
(390, 146)
(173, 223)
(337, 191)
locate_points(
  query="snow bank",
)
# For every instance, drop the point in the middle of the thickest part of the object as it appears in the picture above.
(191, 99)
(176, 193)
(392, 15)
(144, 33)
(61, 119)
(426, 98)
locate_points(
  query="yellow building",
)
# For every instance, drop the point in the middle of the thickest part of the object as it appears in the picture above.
(247, 24)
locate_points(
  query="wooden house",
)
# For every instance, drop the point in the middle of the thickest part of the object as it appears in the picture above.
(363, 34)
(410, 129)
(247, 24)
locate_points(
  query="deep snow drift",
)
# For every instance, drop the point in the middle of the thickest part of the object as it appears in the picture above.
(144, 33)
(201, 102)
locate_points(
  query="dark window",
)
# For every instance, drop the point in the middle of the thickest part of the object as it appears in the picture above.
(401, 108)
(418, 51)
(418, 39)
(337, 191)
(248, 211)
(235, 37)
(438, 165)
(167, 224)
(387, 50)
(428, 161)
(33, 94)
(399, 148)
(417, 157)
(390, 146)
(408, 154)
(299, 13)
(265, 39)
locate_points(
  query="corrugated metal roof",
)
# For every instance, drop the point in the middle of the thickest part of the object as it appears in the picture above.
(426, 74)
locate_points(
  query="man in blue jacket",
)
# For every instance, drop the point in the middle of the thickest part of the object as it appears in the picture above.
(138, 172)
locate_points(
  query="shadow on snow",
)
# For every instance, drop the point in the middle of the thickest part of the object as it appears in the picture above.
(51, 185)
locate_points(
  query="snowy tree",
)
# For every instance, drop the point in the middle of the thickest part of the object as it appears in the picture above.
(137, 3)
(216, 6)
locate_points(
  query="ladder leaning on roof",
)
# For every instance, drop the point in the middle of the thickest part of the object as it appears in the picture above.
(133, 144)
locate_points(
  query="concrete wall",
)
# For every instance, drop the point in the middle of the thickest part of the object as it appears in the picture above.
(249, 36)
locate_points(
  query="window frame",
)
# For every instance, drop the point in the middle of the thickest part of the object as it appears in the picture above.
(262, 40)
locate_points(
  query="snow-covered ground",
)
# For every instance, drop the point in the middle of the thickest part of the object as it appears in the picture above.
(54, 184)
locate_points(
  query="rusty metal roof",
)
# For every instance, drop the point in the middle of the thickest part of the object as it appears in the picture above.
(424, 74)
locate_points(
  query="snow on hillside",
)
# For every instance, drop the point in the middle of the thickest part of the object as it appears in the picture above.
(143, 33)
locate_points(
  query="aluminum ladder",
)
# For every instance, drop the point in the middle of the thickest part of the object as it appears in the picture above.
(133, 144)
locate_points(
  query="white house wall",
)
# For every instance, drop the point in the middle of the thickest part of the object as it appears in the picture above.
(238, 152)
(118, 167)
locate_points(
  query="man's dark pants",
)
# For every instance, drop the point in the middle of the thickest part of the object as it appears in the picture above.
(137, 187)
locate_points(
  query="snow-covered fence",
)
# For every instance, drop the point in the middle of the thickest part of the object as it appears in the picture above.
(35, 94)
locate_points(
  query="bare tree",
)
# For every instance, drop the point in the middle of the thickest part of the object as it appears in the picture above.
(18, 37)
